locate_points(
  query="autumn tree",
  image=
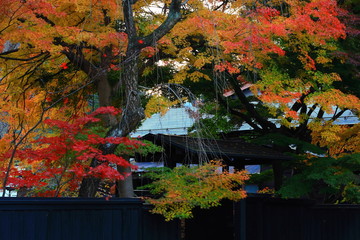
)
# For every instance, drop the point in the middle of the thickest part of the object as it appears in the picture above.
(61, 47)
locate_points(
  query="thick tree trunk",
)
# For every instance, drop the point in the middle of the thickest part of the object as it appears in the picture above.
(125, 187)
(131, 117)
(132, 114)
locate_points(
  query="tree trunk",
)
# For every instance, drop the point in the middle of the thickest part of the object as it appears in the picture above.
(132, 114)
(105, 93)
(125, 187)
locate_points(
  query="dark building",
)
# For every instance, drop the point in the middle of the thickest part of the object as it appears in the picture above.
(233, 152)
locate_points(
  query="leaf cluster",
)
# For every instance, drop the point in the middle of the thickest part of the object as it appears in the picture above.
(326, 179)
(181, 189)
(56, 163)
(146, 147)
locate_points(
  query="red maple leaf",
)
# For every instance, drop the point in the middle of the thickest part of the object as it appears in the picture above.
(64, 66)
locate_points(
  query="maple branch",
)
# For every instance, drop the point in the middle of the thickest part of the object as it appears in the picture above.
(223, 4)
(46, 19)
(246, 118)
(9, 52)
(320, 113)
(13, 70)
(6, 27)
(80, 62)
(107, 19)
(83, 45)
(80, 22)
(298, 104)
(22, 59)
(31, 71)
(249, 107)
(303, 126)
(59, 179)
(129, 20)
(312, 109)
(11, 18)
(16, 145)
(337, 115)
(173, 17)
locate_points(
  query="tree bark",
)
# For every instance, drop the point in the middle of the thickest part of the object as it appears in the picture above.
(132, 114)
(125, 187)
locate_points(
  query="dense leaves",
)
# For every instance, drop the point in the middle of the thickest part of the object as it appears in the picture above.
(55, 165)
(327, 180)
(183, 188)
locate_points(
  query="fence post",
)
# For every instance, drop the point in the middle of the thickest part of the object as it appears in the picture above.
(239, 215)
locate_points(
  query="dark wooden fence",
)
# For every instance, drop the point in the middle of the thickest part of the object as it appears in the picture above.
(255, 218)
(301, 220)
(81, 219)
(264, 218)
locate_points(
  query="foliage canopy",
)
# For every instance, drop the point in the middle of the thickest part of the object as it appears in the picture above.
(60, 59)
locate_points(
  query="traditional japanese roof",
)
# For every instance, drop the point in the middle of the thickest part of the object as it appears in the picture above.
(176, 121)
(227, 149)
